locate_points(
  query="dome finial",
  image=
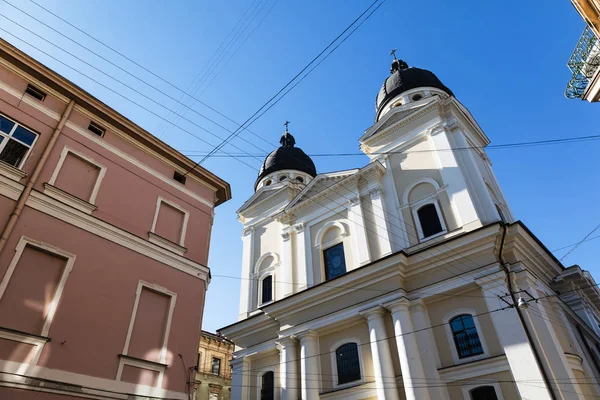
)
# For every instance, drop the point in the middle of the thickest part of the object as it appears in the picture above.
(397, 64)
(287, 140)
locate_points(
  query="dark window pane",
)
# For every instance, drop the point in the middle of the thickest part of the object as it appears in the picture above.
(465, 335)
(348, 363)
(24, 135)
(335, 262)
(216, 366)
(484, 393)
(5, 124)
(429, 219)
(13, 153)
(267, 289)
(267, 386)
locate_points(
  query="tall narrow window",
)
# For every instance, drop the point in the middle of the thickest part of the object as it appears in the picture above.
(348, 363)
(267, 289)
(465, 336)
(334, 260)
(170, 222)
(216, 366)
(429, 220)
(267, 386)
(483, 393)
(15, 142)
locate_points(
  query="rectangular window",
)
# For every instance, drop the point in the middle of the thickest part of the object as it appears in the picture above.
(216, 366)
(335, 261)
(77, 177)
(179, 177)
(16, 142)
(35, 92)
(170, 223)
(96, 129)
(267, 289)
(32, 286)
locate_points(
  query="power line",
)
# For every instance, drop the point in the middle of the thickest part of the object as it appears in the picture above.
(236, 132)
(580, 242)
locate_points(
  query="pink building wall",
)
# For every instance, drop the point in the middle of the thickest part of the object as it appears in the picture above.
(111, 283)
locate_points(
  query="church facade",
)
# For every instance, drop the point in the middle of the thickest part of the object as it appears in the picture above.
(407, 278)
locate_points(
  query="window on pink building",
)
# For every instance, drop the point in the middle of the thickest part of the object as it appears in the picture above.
(149, 326)
(170, 221)
(77, 177)
(31, 290)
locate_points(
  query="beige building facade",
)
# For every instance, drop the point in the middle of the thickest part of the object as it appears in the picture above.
(213, 372)
(408, 278)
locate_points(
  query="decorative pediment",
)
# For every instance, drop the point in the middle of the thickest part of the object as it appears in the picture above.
(267, 192)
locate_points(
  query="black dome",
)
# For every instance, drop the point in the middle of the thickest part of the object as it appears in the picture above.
(286, 157)
(404, 78)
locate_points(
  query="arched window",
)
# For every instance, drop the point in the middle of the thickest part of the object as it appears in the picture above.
(267, 289)
(335, 261)
(429, 220)
(483, 393)
(348, 363)
(267, 386)
(465, 336)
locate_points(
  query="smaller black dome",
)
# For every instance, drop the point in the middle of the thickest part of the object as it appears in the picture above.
(404, 78)
(286, 157)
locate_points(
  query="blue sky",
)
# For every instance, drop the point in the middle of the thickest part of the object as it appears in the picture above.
(506, 64)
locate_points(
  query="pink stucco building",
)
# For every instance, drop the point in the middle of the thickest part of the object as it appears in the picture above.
(104, 244)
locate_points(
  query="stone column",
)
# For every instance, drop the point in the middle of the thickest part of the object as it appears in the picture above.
(240, 378)
(359, 232)
(428, 351)
(461, 202)
(383, 366)
(288, 368)
(380, 220)
(248, 283)
(413, 375)
(513, 339)
(561, 374)
(310, 370)
(285, 285)
(302, 267)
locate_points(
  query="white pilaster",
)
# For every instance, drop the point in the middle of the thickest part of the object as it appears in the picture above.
(288, 369)
(286, 284)
(361, 244)
(413, 375)
(383, 366)
(399, 237)
(247, 265)
(301, 268)
(240, 378)
(513, 339)
(463, 207)
(543, 332)
(380, 219)
(310, 276)
(309, 365)
(430, 358)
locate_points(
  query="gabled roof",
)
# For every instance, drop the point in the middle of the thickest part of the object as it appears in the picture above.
(262, 194)
(321, 183)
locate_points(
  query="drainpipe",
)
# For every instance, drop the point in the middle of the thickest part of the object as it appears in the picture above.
(536, 354)
(12, 221)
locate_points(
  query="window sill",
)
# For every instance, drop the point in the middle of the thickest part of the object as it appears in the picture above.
(129, 360)
(31, 336)
(166, 243)
(69, 199)
(11, 172)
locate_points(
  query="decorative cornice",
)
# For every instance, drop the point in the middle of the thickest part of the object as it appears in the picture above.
(285, 236)
(299, 228)
(247, 231)
(354, 201)
(375, 193)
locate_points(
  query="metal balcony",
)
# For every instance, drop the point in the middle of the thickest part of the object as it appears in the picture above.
(584, 63)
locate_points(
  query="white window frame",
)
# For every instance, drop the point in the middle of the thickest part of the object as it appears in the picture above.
(270, 272)
(466, 390)
(333, 353)
(414, 210)
(9, 135)
(146, 364)
(155, 238)
(51, 190)
(259, 376)
(70, 261)
(454, 313)
(324, 246)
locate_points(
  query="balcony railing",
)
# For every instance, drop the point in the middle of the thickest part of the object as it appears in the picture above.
(584, 63)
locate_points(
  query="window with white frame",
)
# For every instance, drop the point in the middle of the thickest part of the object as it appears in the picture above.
(465, 336)
(429, 220)
(334, 261)
(169, 225)
(347, 362)
(483, 393)
(330, 242)
(263, 279)
(148, 333)
(421, 198)
(16, 142)
(267, 289)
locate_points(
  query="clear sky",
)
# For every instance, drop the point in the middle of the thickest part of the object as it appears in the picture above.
(505, 61)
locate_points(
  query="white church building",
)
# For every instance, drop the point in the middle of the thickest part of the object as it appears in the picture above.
(407, 278)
